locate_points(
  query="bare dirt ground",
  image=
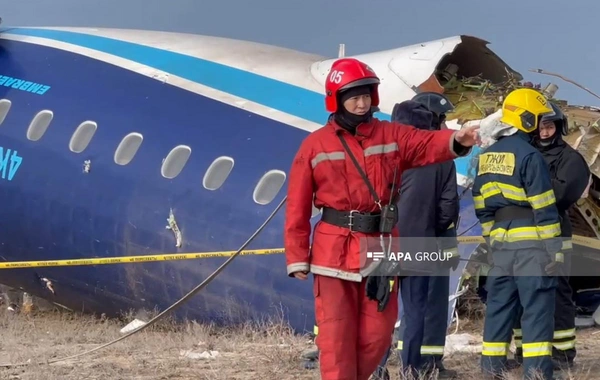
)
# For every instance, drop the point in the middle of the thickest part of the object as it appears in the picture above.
(266, 351)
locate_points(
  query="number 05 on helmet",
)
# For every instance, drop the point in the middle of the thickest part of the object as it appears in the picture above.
(347, 73)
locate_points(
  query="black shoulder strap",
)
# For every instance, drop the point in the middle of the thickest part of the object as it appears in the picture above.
(360, 171)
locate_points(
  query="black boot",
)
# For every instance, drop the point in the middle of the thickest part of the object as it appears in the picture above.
(513, 364)
(562, 364)
(310, 359)
(447, 374)
(443, 372)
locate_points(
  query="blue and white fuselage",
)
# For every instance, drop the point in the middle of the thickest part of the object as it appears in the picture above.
(107, 134)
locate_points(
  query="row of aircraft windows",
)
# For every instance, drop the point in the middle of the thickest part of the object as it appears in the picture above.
(265, 191)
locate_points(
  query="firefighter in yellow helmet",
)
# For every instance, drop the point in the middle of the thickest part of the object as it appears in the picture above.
(516, 207)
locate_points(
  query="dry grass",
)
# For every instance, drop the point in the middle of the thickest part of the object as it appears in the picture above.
(261, 351)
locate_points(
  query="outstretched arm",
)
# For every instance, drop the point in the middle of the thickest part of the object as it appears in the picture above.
(421, 147)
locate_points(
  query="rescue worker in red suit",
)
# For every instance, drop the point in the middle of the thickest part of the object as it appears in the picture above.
(355, 311)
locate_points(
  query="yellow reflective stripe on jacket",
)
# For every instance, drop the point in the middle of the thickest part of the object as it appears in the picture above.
(494, 349)
(515, 193)
(525, 233)
(549, 231)
(542, 200)
(531, 350)
(486, 228)
(567, 244)
(478, 202)
(316, 330)
(508, 191)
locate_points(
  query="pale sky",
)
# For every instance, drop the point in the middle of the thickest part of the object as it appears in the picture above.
(547, 34)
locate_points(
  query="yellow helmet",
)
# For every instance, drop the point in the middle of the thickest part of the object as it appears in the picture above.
(523, 109)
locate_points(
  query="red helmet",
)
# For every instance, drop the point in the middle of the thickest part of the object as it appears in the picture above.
(347, 73)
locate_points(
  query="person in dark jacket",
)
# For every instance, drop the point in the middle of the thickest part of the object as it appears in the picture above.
(428, 213)
(516, 207)
(570, 176)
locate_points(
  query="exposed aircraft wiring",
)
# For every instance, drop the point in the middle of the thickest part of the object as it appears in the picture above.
(541, 71)
(468, 229)
(180, 302)
(457, 322)
(462, 194)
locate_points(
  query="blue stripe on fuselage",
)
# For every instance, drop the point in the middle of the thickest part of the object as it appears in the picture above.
(285, 97)
(269, 92)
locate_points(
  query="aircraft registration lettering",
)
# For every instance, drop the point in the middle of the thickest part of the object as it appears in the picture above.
(9, 161)
(23, 85)
(497, 163)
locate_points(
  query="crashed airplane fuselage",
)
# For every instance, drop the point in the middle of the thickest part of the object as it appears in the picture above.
(147, 142)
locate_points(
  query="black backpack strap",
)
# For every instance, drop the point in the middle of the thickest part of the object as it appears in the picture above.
(360, 171)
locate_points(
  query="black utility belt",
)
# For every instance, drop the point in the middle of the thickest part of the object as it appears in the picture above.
(509, 213)
(365, 222)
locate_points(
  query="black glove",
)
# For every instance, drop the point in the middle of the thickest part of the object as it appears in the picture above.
(378, 289)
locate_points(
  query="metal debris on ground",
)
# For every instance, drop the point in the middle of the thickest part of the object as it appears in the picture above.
(199, 355)
(475, 98)
(132, 326)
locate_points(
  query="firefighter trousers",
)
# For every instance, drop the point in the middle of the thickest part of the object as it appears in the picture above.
(517, 279)
(435, 325)
(563, 344)
(414, 293)
(353, 335)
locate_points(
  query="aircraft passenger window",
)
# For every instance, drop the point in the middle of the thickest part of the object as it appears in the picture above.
(268, 187)
(4, 108)
(175, 161)
(82, 136)
(127, 148)
(217, 173)
(39, 125)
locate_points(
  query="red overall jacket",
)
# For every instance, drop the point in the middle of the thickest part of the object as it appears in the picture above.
(322, 171)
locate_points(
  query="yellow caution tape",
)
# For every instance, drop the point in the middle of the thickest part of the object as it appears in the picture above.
(579, 240)
(134, 259)
(471, 239)
(586, 241)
